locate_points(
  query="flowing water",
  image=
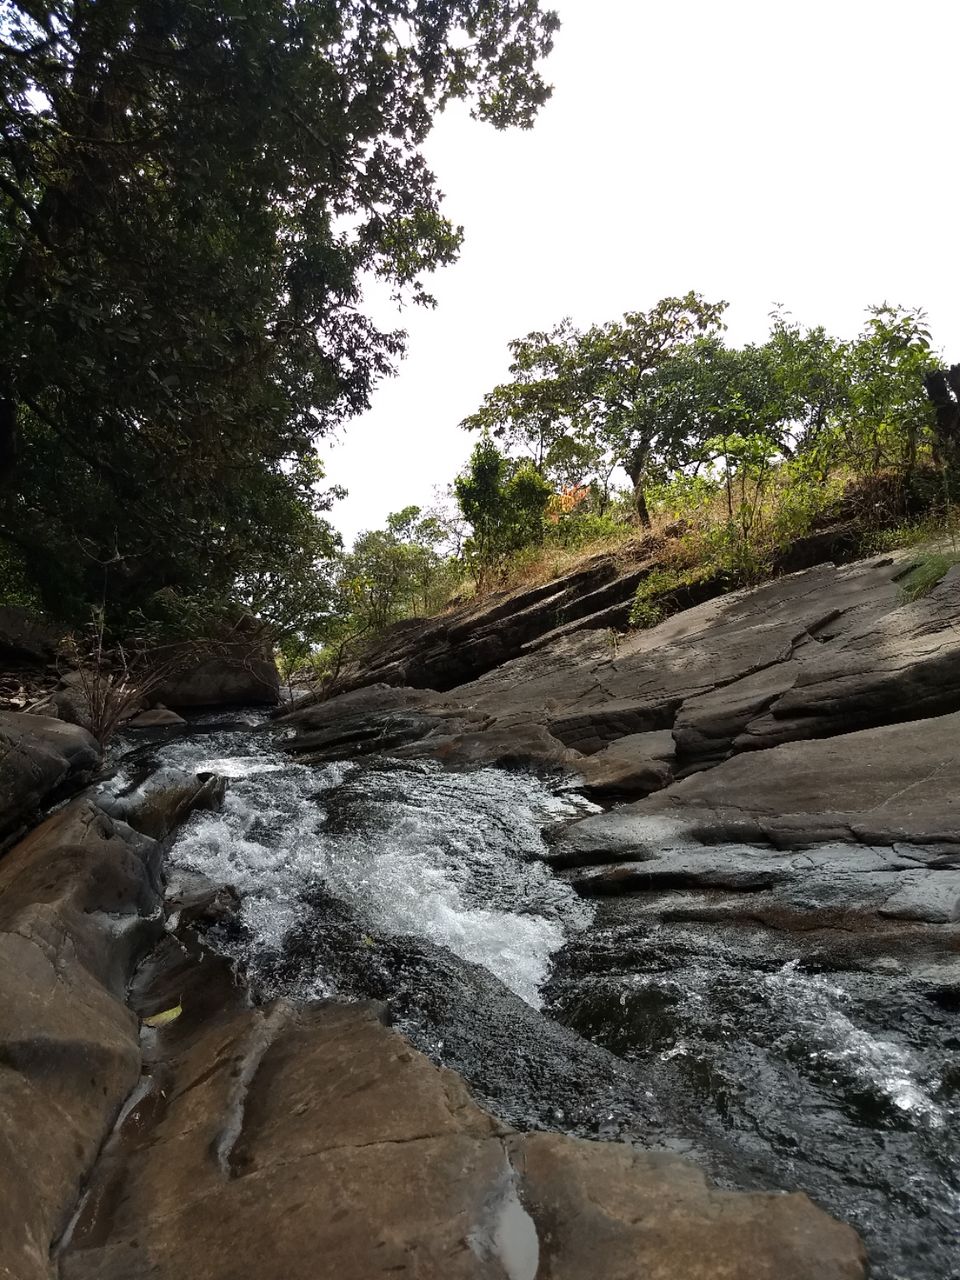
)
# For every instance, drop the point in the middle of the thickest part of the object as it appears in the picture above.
(425, 888)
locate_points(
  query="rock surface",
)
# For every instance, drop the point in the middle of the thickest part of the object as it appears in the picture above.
(812, 655)
(78, 900)
(376, 1162)
(794, 748)
(883, 786)
(240, 672)
(24, 635)
(473, 638)
(38, 755)
(156, 718)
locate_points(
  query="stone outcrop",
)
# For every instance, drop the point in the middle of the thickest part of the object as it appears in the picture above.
(789, 755)
(475, 637)
(23, 635)
(886, 786)
(812, 655)
(235, 678)
(160, 804)
(443, 652)
(158, 717)
(39, 756)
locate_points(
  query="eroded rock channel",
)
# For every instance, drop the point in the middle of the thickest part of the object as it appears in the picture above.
(694, 893)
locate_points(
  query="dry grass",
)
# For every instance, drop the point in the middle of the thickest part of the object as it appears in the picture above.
(687, 536)
(537, 565)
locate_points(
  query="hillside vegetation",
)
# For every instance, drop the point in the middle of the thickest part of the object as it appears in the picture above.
(738, 462)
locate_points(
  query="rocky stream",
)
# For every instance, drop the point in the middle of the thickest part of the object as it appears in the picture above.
(646, 1020)
(677, 915)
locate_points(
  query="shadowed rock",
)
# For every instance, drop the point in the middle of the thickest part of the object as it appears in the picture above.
(38, 755)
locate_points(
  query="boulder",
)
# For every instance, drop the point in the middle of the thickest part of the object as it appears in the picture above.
(39, 756)
(242, 673)
(158, 717)
(370, 700)
(23, 634)
(502, 745)
(71, 699)
(160, 804)
(634, 765)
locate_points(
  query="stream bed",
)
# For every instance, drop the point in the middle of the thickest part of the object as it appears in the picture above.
(426, 889)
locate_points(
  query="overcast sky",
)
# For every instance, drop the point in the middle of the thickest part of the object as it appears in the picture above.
(759, 151)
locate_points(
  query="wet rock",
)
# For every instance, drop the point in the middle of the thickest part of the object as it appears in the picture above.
(76, 901)
(816, 1043)
(196, 900)
(373, 1160)
(372, 699)
(503, 745)
(374, 732)
(164, 800)
(524, 1067)
(38, 756)
(421, 724)
(156, 718)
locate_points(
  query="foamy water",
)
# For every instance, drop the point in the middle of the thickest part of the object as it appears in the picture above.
(450, 857)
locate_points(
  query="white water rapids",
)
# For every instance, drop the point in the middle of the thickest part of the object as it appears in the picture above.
(450, 857)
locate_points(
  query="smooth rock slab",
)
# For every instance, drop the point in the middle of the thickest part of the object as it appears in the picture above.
(316, 1143)
(635, 765)
(885, 786)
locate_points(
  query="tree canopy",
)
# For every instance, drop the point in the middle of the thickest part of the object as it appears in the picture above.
(192, 197)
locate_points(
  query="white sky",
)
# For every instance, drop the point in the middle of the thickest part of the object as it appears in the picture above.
(759, 151)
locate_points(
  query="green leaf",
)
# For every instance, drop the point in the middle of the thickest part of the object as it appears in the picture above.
(164, 1018)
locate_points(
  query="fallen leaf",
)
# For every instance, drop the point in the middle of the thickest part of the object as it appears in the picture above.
(161, 1019)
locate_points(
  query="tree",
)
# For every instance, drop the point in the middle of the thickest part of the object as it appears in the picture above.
(616, 361)
(504, 501)
(395, 572)
(191, 196)
(889, 413)
(532, 414)
(811, 371)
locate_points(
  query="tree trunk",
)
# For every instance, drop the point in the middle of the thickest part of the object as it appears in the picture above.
(640, 501)
(634, 467)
